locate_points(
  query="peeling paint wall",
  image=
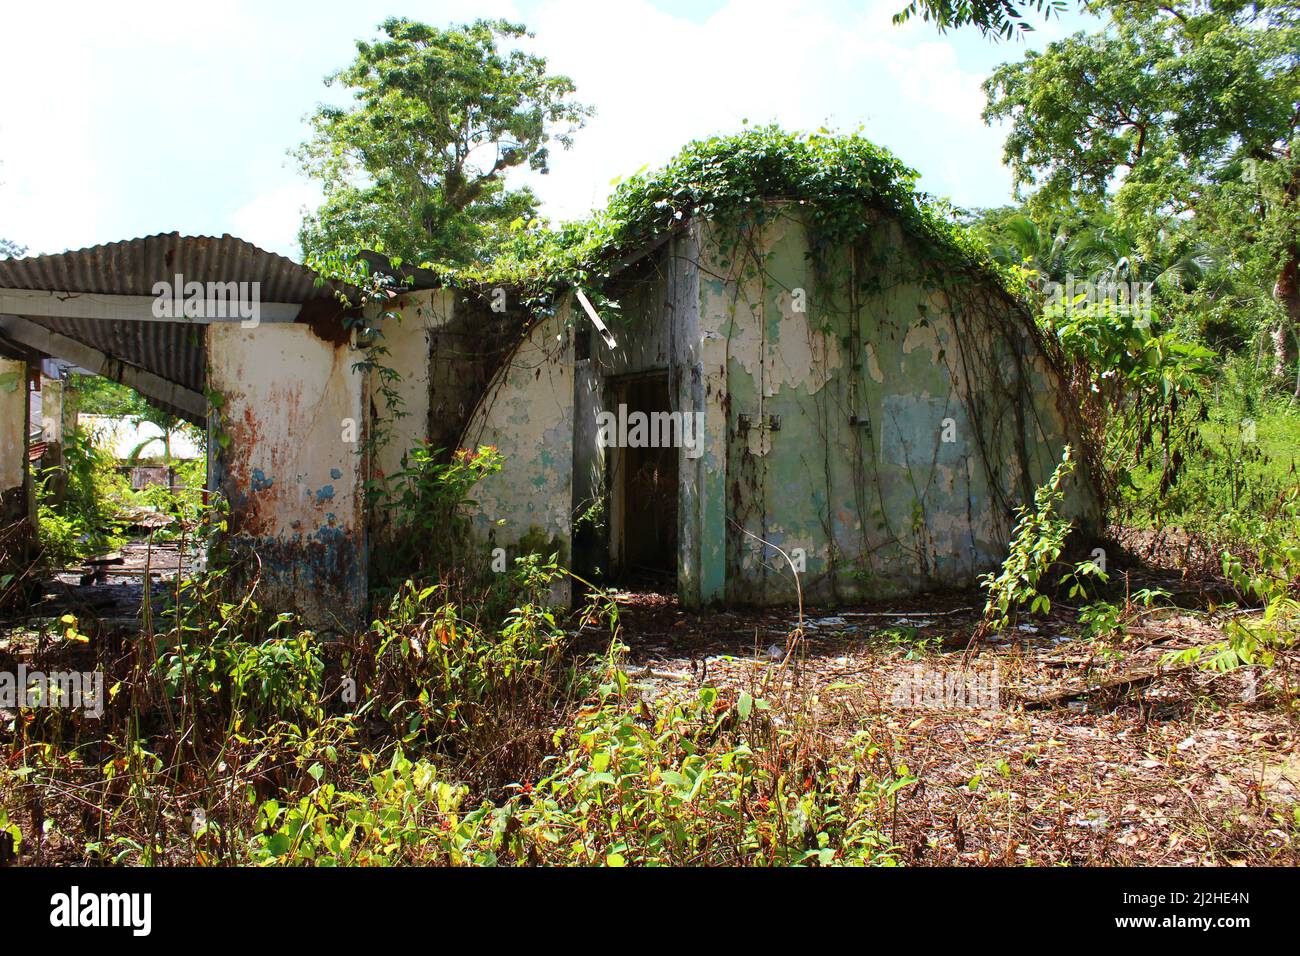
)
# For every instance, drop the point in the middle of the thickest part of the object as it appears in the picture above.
(13, 439)
(527, 413)
(398, 406)
(848, 424)
(445, 346)
(886, 433)
(406, 330)
(700, 363)
(292, 420)
(854, 417)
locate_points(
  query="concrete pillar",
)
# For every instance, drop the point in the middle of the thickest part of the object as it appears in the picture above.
(700, 356)
(52, 425)
(52, 411)
(13, 441)
(289, 454)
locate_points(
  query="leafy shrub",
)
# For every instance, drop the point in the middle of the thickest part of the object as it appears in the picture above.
(700, 782)
(428, 499)
(405, 815)
(233, 665)
(62, 539)
(85, 521)
(1147, 380)
(477, 688)
(255, 682)
(1270, 574)
(707, 781)
(1036, 543)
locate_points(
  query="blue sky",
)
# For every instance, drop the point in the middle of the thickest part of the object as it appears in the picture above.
(180, 117)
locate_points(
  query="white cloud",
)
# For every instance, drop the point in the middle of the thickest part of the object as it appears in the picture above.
(179, 116)
(659, 81)
(271, 220)
(48, 178)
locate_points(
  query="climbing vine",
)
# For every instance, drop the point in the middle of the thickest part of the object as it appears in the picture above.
(840, 179)
(861, 212)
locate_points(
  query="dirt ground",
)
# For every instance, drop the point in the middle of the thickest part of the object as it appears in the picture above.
(1023, 752)
(1041, 748)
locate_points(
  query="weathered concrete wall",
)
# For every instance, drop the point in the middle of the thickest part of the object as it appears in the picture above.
(444, 345)
(888, 433)
(527, 414)
(854, 417)
(399, 406)
(847, 421)
(700, 363)
(292, 427)
(13, 439)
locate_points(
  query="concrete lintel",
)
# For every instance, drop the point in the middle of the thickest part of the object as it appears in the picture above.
(133, 308)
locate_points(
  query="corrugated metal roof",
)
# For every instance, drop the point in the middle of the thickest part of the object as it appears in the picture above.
(175, 351)
(133, 266)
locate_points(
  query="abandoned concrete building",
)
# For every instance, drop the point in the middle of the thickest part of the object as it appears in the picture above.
(839, 418)
(748, 411)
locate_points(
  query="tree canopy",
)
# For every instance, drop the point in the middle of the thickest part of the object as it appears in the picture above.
(1177, 123)
(416, 166)
(999, 18)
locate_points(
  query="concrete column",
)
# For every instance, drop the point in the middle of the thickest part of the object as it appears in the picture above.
(289, 458)
(52, 411)
(13, 440)
(700, 357)
(52, 419)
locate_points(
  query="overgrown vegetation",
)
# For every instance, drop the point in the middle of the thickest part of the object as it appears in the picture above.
(841, 179)
(83, 501)
(440, 736)
(80, 502)
(472, 723)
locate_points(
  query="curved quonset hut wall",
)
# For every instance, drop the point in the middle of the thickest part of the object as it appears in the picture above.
(875, 412)
(899, 409)
(527, 414)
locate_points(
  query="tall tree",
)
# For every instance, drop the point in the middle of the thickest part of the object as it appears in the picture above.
(417, 165)
(1180, 114)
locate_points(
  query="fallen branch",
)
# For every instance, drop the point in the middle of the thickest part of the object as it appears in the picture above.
(1117, 687)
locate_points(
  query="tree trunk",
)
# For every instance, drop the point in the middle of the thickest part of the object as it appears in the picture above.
(1281, 346)
(1287, 294)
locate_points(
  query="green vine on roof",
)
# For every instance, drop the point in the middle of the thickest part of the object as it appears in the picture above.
(840, 178)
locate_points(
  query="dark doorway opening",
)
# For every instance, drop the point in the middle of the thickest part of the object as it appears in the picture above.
(643, 486)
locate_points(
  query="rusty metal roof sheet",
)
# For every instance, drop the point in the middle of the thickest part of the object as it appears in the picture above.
(133, 266)
(175, 351)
